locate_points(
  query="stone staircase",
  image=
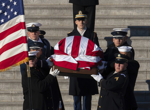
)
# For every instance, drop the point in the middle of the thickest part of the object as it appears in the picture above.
(56, 17)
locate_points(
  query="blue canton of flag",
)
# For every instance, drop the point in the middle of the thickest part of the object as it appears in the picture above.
(10, 9)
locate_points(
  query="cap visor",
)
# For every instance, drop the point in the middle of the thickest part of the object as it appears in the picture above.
(120, 61)
(32, 57)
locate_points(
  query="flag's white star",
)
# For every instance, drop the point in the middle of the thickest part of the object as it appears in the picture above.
(8, 16)
(15, 3)
(5, 13)
(15, 13)
(10, 0)
(8, 7)
(2, 20)
(0, 11)
(11, 10)
(3, 4)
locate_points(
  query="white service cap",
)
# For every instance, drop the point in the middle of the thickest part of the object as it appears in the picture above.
(121, 29)
(33, 23)
(124, 48)
(32, 53)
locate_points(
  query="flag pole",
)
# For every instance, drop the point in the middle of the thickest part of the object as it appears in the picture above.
(29, 86)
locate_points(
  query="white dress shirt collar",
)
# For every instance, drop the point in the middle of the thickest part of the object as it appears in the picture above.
(82, 32)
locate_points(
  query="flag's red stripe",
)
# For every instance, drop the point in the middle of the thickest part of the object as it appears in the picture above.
(13, 60)
(65, 64)
(87, 64)
(75, 46)
(90, 47)
(11, 30)
(13, 44)
(62, 45)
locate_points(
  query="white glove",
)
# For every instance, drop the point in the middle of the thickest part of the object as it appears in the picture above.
(66, 77)
(49, 62)
(54, 72)
(97, 77)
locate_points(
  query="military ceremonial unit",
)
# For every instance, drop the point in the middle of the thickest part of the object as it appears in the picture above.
(116, 68)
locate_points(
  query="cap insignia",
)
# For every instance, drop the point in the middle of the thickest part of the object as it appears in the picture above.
(80, 12)
(116, 78)
(33, 25)
(119, 55)
(117, 32)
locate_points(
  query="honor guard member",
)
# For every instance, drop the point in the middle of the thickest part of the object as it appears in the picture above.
(33, 46)
(87, 5)
(33, 36)
(42, 33)
(133, 67)
(114, 86)
(119, 39)
(82, 29)
(85, 87)
(41, 83)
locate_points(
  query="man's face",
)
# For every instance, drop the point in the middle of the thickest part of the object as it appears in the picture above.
(118, 41)
(81, 23)
(32, 62)
(120, 67)
(33, 35)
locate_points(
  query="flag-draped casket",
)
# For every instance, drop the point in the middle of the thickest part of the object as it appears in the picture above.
(76, 54)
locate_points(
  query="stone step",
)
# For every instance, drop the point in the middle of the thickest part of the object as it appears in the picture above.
(65, 10)
(11, 105)
(140, 41)
(113, 20)
(18, 105)
(54, 32)
(142, 75)
(120, 2)
(68, 106)
(13, 84)
(144, 64)
(45, 2)
(109, 2)
(6, 96)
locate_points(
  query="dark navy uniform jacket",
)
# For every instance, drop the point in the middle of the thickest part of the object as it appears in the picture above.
(130, 101)
(112, 92)
(83, 86)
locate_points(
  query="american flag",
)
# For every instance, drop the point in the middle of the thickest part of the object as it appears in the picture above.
(77, 52)
(13, 42)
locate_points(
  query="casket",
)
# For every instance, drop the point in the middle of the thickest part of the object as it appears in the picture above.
(84, 73)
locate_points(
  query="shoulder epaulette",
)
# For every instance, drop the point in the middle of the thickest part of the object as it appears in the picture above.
(123, 74)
